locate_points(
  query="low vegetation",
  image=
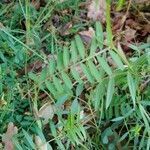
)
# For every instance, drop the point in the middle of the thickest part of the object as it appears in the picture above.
(73, 76)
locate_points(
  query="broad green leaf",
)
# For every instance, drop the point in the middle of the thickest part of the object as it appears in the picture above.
(128, 113)
(104, 65)
(57, 84)
(66, 57)
(61, 100)
(98, 95)
(134, 47)
(29, 139)
(78, 132)
(39, 131)
(76, 138)
(17, 144)
(52, 44)
(79, 89)
(67, 80)
(3, 57)
(105, 135)
(139, 62)
(82, 129)
(99, 34)
(73, 136)
(87, 72)
(117, 110)
(123, 108)
(94, 71)
(75, 107)
(144, 46)
(93, 47)
(60, 61)
(33, 76)
(53, 128)
(132, 87)
(120, 4)
(110, 91)
(25, 123)
(74, 54)
(117, 60)
(142, 141)
(110, 112)
(145, 103)
(68, 91)
(147, 50)
(148, 144)
(43, 75)
(61, 146)
(80, 46)
(76, 75)
(117, 119)
(50, 87)
(145, 118)
(122, 54)
(123, 136)
(52, 66)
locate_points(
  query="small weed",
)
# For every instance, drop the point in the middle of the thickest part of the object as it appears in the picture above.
(94, 95)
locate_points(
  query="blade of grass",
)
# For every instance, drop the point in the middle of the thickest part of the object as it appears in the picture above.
(110, 91)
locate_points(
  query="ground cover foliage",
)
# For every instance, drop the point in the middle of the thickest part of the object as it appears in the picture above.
(74, 74)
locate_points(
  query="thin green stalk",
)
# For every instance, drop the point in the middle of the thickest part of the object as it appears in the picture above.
(27, 17)
(108, 26)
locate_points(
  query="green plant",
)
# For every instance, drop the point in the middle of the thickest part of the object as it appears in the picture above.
(105, 83)
(100, 95)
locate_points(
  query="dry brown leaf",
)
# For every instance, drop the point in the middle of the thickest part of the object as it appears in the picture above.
(65, 29)
(7, 137)
(1, 25)
(129, 34)
(40, 144)
(146, 29)
(47, 111)
(87, 36)
(36, 4)
(97, 9)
